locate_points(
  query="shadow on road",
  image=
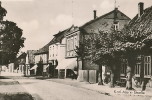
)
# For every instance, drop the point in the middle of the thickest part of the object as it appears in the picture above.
(9, 82)
(27, 82)
(3, 77)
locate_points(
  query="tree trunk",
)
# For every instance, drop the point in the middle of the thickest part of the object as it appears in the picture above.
(112, 79)
(129, 78)
(144, 83)
(100, 77)
(130, 71)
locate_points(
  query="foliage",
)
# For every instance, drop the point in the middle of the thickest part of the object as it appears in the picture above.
(11, 38)
(2, 12)
(104, 47)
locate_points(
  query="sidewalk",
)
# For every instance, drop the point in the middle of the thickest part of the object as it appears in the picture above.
(10, 74)
(105, 89)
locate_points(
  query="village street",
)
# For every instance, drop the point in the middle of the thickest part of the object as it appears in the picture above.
(58, 89)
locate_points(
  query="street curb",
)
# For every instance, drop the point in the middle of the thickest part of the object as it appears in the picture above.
(102, 92)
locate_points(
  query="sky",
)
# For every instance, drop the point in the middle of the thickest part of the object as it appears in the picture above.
(41, 19)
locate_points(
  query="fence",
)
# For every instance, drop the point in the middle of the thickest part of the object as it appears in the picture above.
(90, 76)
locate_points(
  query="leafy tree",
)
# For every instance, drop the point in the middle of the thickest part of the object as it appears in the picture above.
(2, 12)
(11, 38)
(102, 50)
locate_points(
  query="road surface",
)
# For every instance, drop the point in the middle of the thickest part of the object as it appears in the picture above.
(49, 90)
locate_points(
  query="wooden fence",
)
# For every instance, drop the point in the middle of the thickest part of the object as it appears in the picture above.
(88, 76)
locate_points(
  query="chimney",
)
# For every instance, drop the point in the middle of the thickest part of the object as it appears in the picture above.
(95, 12)
(140, 9)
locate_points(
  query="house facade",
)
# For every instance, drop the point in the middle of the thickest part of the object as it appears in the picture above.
(56, 54)
(114, 19)
(19, 64)
(142, 23)
(30, 62)
(68, 63)
(41, 60)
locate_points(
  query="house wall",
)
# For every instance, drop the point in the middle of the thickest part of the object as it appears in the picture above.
(72, 40)
(41, 57)
(104, 25)
(56, 51)
(30, 58)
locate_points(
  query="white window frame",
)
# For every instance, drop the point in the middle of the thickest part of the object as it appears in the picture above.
(123, 67)
(116, 26)
(137, 69)
(147, 66)
(138, 66)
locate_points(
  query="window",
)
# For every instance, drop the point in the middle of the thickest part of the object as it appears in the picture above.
(72, 43)
(116, 25)
(137, 69)
(57, 50)
(147, 65)
(68, 44)
(138, 66)
(75, 42)
(123, 67)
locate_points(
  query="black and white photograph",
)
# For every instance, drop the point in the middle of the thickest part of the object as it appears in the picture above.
(75, 49)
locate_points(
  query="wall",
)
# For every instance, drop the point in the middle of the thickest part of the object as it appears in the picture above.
(72, 40)
(41, 57)
(57, 52)
(104, 25)
(30, 58)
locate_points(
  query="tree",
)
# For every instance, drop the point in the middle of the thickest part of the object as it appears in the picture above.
(2, 12)
(102, 50)
(11, 38)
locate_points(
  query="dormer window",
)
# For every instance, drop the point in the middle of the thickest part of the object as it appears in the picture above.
(116, 25)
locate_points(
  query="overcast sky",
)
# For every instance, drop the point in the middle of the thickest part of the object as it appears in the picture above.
(41, 19)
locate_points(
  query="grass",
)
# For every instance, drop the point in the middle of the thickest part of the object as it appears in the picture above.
(16, 96)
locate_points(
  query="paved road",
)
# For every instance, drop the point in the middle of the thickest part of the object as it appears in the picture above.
(46, 90)
(49, 90)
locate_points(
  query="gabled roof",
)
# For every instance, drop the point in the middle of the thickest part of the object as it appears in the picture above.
(112, 13)
(57, 38)
(143, 23)
(21, 56)
(72, 29)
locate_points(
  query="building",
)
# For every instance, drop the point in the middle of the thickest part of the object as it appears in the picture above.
(142, 22)
(57, 54)
(41, 60)
(30, 62)
(19, 64)
(114, 19)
